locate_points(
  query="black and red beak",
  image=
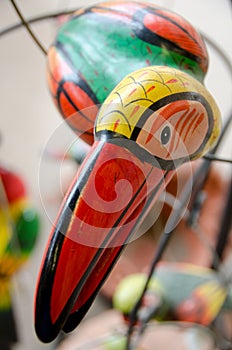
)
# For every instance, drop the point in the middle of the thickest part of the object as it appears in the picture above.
(107, 201)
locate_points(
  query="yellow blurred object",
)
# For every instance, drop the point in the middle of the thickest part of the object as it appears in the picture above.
(5, 231)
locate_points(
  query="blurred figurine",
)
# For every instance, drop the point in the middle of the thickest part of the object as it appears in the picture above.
(19, 228)
(183, 292)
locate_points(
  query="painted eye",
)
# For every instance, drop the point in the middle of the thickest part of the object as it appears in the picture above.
(165, 135)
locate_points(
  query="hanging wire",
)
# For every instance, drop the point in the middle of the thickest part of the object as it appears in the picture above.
(225, 227)
(36, 19)
(26, 24)
(212, 157)
(28, 28)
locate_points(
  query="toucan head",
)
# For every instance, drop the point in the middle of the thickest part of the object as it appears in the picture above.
(164, 112)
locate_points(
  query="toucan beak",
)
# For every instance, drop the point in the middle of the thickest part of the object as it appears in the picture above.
(108, 199)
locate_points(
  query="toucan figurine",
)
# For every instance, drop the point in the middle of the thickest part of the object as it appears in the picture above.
(177, 291)
(19, 230)
(145, 66)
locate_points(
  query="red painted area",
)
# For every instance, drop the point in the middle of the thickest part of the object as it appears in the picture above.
(97, 219)
(106, 260)
(57, 69)
(183, 23)
(74, 259)
(98, 209)
(109, 254)
(171, 81)
(176, 33)
(13, 185)
(78, 109)
(198, 119)
(150, 89)
(148, 49)
(73, 102)
(116, 124)
(76, 99)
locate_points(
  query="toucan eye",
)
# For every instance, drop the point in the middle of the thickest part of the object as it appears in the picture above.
(165, 135)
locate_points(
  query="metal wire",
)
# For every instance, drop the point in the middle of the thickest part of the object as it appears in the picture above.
(214, 158)
(36, 19)
(28, 28)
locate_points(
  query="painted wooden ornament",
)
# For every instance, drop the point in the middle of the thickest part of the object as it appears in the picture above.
(153, 121)
(19, 229)
(189, 293)
(103, 43)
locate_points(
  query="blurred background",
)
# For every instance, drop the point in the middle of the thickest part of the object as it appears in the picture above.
(30, 122)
